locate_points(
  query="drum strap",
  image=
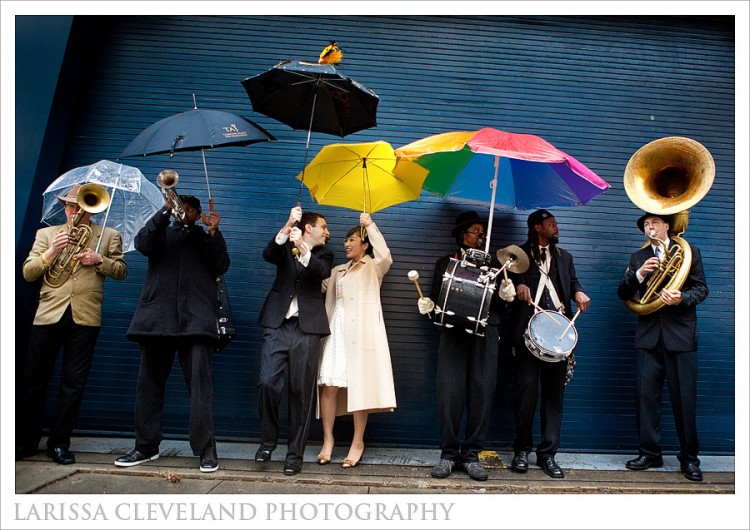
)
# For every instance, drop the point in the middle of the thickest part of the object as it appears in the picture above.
(546, 281)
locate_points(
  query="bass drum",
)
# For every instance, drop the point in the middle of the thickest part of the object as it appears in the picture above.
(544, 336)
(465, 296)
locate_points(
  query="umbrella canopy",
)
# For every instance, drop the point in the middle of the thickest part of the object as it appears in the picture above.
(313, 97)
(531, 172)
(133, 199)
(194, 130)
(362, 177)
(499, 168)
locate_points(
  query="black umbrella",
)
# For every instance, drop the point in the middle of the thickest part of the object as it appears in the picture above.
(194, 130)
(314, 97)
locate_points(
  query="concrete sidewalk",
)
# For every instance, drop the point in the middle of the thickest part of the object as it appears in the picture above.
(383, 470)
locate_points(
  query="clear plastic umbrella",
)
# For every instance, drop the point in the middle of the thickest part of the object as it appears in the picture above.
(133, 199)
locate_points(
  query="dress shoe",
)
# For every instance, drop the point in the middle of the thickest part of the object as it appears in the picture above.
(443, 469)
(292, 468)
(520, 462)
(263, 454)
(323, 459)
(550, 467)
(691, 471)
(209, 457)
(644, 462)
(61, 455)
(348, 462)
(475, 470)
(134, 458)
(25, 451)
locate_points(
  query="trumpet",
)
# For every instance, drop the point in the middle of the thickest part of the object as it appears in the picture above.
(91, 198)
(167, 181)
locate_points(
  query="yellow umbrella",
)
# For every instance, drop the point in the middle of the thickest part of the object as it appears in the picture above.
(366, 177)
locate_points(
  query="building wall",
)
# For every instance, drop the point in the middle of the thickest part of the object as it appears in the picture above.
(596, 87)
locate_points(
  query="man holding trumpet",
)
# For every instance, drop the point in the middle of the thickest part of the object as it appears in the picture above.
(466, 364)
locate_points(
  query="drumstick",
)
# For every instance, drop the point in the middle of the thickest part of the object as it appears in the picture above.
(569, 325)
(414, 276)
(543, 311)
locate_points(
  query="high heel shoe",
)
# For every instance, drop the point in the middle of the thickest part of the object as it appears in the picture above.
(347, 463)
(323, 459)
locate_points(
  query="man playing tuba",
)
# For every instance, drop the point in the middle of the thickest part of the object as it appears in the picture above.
(69, 317)
(666, 344)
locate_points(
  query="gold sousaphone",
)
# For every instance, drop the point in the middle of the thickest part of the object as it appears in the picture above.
(666, 177)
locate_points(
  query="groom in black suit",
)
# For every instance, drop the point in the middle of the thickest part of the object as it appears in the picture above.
(666, 344)
(294, 320)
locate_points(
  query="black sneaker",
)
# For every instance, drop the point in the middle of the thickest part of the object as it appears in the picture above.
(134, 458)
(442, 469)
(475, 470)
(209, 458)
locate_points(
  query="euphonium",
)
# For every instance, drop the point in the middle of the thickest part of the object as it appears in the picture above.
(666, 177)
(91, 198)
(167, 180)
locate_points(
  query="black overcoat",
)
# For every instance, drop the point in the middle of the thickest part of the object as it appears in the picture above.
(179, 293)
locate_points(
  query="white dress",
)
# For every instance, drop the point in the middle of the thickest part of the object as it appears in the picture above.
(333, 363)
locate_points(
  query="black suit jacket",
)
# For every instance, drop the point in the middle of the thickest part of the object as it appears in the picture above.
(678, 324)
(294, 279)
(564, 278)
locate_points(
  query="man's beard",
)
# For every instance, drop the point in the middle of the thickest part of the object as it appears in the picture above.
(554, 240)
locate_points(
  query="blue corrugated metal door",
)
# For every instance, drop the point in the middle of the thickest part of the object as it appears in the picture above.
(596, 87)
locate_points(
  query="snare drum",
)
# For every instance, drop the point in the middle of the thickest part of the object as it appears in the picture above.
(544, 336)
(465, 296)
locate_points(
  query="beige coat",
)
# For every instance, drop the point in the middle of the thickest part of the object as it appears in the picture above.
(368, 359)
(84, 289)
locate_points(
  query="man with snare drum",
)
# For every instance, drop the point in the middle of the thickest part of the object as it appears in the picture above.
(549, 284)
(466, 363)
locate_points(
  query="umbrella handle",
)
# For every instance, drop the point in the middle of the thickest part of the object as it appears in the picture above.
(211, 209)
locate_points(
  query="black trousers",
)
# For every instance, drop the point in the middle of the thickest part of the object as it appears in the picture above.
(289, 349)
(531, 372)
(157, 357)
(77, 343)
(681, 372)
(466, 379)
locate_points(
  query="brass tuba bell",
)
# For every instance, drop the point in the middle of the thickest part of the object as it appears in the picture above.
(666, 177)
(91, 198)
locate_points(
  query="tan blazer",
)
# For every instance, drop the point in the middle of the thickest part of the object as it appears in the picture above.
(368, 357)
(84, 289)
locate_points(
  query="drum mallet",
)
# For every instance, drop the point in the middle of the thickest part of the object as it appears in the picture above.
(570, 324)
(414, 276)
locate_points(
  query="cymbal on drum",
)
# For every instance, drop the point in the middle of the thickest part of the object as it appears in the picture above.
(519, 260)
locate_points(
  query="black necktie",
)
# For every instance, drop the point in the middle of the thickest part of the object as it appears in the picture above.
(543, 258)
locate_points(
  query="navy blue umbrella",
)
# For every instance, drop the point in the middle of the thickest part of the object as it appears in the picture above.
(194, 130)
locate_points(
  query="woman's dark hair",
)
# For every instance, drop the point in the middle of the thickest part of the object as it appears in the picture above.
(361, 231)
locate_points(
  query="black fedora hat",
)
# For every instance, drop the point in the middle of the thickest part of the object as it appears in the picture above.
(666, 218)
(465, 220)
